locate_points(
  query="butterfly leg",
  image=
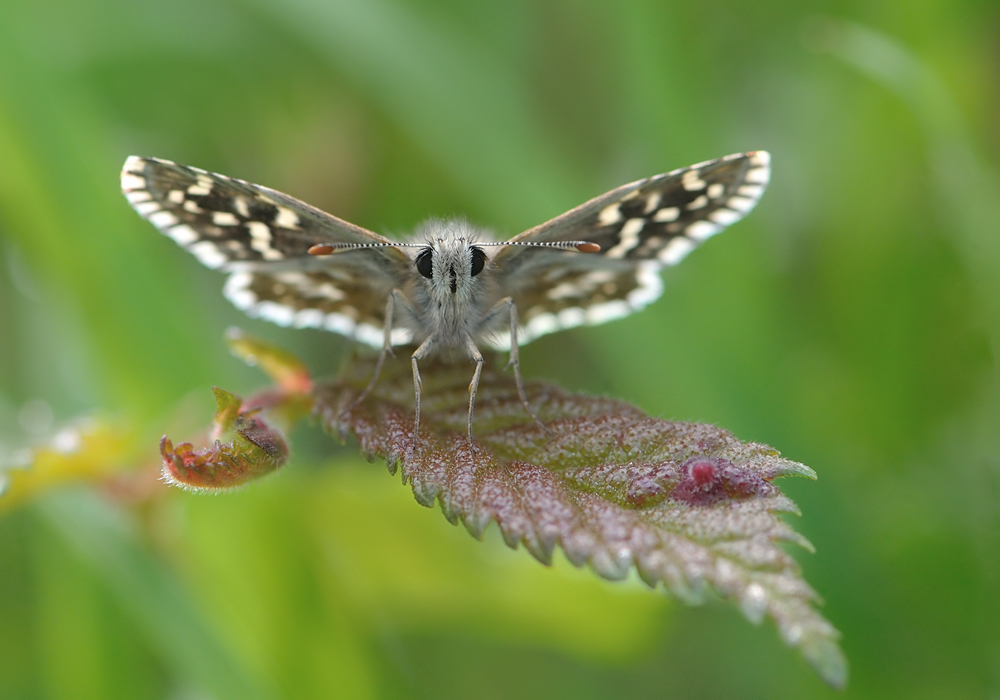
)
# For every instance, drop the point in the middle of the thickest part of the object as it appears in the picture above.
(418, 354)
(506, 305)
(386, 350)
(515, 362)
(474, 385)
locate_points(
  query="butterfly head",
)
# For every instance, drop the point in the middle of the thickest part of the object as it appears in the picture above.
(449, 260)
(451, 255)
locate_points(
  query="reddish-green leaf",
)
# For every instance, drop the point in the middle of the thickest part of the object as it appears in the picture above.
(688, 505)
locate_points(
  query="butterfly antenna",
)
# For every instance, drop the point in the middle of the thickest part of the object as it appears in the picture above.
(582, 246)
(331, 248)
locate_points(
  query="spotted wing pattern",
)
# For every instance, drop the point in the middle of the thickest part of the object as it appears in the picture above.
(261, 237)
(641, 227)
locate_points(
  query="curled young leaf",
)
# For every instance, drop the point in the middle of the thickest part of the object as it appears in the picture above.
(247, 440)
(688, 505)
(243, 447)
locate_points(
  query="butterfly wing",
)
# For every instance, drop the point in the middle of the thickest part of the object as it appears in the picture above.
(262, 237)
(641, 227)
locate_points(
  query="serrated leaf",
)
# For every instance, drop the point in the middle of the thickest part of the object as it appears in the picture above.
(688, 505)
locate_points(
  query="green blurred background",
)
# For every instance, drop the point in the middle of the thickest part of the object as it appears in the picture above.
(851, 322)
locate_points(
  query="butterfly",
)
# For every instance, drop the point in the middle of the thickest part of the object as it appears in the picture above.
(452, 287)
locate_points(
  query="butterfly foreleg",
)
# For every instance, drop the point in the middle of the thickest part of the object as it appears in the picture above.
(507, 306)
(395, 298)
(418, 354)
(477, 357)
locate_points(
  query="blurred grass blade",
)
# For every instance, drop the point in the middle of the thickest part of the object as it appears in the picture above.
(60, 201)
(452, 97)
(970, 188)
(154, 599)
(87, 450)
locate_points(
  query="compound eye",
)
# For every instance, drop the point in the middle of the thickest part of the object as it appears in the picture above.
(424, 263)
(478, 260)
